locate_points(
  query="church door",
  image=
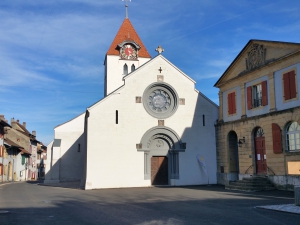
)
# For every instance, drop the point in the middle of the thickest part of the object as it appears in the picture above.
(159, 170)
(260, 152)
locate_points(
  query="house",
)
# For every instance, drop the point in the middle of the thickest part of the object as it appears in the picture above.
(14, 153)
(258, 130)
(17, 155)
(151, 128)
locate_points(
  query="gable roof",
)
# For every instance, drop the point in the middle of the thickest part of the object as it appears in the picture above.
(127, 33)
(243, 51)
(138, 69)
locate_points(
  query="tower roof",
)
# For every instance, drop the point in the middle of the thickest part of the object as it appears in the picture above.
(127, 33)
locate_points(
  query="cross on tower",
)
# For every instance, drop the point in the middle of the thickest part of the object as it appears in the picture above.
(126, 7)
(160, 69)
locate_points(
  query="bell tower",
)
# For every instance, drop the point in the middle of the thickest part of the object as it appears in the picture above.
(126, 53)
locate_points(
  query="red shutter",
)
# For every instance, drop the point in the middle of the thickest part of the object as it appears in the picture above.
(233, 103)
(292, 77)
(286, 86)
(264, 93)
(249, 97)
(276, 133)
(229, 103)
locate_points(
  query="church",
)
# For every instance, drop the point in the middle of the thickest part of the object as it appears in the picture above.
(151, 128)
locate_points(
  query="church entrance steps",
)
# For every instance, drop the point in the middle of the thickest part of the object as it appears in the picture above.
(255, 183)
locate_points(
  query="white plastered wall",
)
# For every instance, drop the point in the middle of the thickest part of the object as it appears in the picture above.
(112, 157)
(114, 70)
(71, 162)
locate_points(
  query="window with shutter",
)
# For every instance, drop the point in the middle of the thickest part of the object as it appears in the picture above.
(257, 95)
(289, 85)
(276, 134)
(231, 103)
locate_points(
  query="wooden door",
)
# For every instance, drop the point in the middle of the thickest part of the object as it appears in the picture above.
(260, 155)
(159, 170)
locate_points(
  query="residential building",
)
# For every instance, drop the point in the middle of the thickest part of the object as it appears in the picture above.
(258, 130)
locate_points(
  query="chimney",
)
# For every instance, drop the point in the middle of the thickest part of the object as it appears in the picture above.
(18, 121)
(2, 117)
(12, 120)
(24, 124)
(34, 133)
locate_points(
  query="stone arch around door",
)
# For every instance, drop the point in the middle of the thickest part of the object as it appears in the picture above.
(260, 151)
(233, 155)
(161, 147)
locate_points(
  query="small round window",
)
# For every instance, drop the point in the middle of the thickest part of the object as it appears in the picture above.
(160, 100)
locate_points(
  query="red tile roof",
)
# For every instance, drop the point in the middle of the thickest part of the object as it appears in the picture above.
(127, 33)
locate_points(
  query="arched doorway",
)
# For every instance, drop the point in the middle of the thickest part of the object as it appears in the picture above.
(260, 151)
(161, 147)
(233, 152)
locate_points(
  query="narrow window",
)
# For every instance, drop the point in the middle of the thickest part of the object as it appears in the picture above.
(132, 67)
(117, 117)
(256, 96)
(125, 69)
(78, 147)
(203, 119)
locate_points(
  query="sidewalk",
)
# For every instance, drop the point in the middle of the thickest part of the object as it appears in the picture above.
(71, 184)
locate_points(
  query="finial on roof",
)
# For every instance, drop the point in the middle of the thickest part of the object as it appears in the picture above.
(159, 49)
(126, 8)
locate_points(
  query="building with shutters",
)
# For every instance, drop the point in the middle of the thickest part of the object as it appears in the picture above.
(258, 131)
(151, 128)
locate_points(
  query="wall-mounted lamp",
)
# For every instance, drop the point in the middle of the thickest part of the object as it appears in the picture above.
(241, 141)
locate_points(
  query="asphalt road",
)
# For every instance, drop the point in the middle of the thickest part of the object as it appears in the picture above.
(31, 203)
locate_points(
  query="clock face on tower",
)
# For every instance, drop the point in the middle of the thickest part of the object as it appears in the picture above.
(128, 51)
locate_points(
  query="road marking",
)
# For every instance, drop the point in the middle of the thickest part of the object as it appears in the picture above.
(3, 211)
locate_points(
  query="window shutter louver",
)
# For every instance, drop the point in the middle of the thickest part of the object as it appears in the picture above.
(286, 86)
(264, 93)
(276, 133)
(249, 97)
(229, 103)
(233, 103)
(292, 82)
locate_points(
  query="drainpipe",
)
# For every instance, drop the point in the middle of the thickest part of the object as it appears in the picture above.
(2, 158)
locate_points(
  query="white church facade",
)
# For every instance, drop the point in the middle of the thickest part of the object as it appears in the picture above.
(151, 128)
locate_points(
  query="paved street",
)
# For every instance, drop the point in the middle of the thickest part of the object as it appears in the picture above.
(31, 203)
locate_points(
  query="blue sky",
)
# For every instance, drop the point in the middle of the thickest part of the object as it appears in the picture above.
(52, 51)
